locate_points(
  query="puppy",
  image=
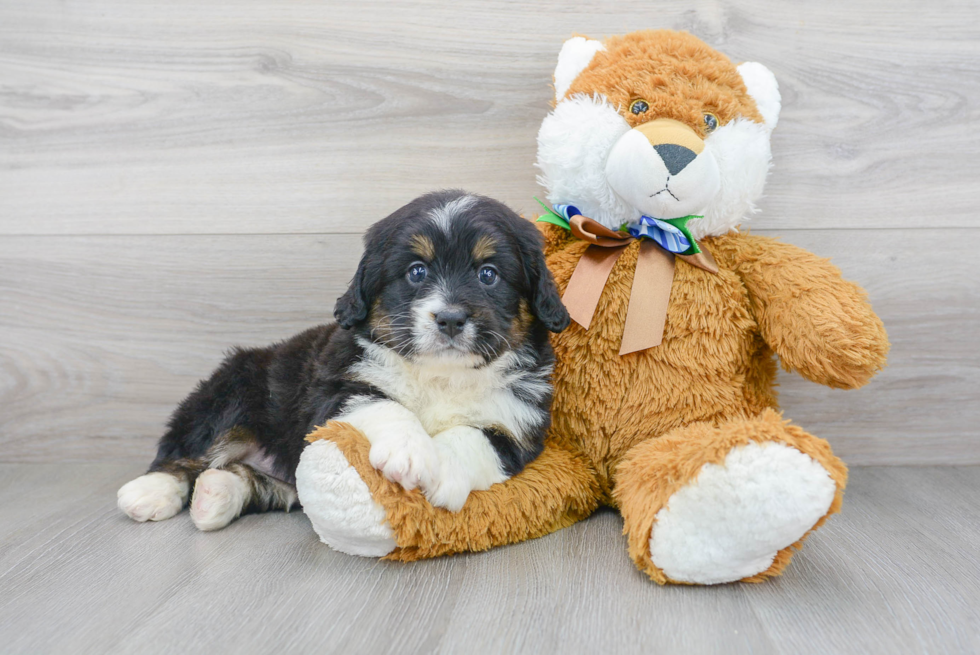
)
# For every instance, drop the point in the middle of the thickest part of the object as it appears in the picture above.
(440, 356)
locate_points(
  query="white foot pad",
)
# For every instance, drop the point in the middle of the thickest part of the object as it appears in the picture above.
(339, 503)
(730, 523)
(219, 497)
(152, 497)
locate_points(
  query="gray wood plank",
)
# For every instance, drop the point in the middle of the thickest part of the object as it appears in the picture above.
(102, 336)
(195, 117)
(895, 572)
(905, 555)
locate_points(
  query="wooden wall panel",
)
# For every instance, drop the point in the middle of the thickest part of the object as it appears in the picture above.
(104, 335)
(178, 177)
(209, 117)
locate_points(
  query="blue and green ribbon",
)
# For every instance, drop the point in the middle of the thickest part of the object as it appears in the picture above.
(671, 234)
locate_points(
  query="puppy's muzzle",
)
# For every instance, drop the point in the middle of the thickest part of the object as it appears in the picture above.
(451, 321)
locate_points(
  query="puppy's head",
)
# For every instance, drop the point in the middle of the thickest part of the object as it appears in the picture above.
(452, 275)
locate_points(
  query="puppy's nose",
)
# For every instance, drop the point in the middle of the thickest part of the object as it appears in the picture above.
(451, 321)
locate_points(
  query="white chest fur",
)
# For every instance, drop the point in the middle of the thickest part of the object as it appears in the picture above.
(445, 393)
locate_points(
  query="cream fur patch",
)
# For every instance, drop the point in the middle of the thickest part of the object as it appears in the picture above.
(730, 522)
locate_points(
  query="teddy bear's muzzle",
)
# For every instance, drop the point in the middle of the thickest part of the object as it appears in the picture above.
(663, 169)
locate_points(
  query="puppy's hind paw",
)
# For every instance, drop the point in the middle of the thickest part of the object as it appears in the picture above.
(152, 497)
(219, 498)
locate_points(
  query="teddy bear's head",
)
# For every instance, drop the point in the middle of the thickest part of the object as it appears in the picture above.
(657, 123)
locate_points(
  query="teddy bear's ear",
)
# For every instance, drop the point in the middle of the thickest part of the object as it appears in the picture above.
(763, 88)
(575, 55)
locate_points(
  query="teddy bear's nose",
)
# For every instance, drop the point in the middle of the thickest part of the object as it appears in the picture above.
(676, 143)
(675, 157)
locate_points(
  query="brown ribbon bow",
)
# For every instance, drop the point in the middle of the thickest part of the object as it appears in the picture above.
(652, 280)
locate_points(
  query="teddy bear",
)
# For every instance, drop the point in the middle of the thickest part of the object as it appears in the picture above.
(664, 405)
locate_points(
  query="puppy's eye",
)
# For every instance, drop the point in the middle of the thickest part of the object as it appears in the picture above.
(488, 275)
(639, 106)
(417, 273)
(710, 122)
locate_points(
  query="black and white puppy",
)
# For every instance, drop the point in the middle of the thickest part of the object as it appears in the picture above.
(440, 356)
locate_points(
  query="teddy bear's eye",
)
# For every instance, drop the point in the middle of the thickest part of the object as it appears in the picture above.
(639, 106)
(710, 122)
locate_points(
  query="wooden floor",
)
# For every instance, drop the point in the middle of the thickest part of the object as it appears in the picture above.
(897, 572)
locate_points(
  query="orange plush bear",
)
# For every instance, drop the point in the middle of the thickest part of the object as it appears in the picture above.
(664, 405)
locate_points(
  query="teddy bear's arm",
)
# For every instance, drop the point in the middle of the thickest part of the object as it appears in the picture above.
(819, 324)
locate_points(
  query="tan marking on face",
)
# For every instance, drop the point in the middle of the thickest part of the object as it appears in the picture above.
(380, 321)
(485, 248)
(423, 247)
(522, 322)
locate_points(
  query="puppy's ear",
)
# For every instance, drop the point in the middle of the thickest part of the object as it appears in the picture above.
(546, 304)
(355, 305)
(352, 307)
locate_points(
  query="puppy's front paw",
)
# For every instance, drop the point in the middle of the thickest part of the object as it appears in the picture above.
(452, 489)
(411, 461)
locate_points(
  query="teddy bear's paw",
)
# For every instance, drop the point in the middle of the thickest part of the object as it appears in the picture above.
(152, 497)
(732, 520)
(339, 503)
(410, 459)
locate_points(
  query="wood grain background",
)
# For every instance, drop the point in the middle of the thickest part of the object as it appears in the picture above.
(179, 177)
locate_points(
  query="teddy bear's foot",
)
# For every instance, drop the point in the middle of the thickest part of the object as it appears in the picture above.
(717, 502)
(731, 521)
(339, 503)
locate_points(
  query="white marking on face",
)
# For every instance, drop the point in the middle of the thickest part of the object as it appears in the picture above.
(443, 216)
(152, 497)
(426, 337)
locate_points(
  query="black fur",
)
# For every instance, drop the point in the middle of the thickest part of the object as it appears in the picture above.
(276, 395)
